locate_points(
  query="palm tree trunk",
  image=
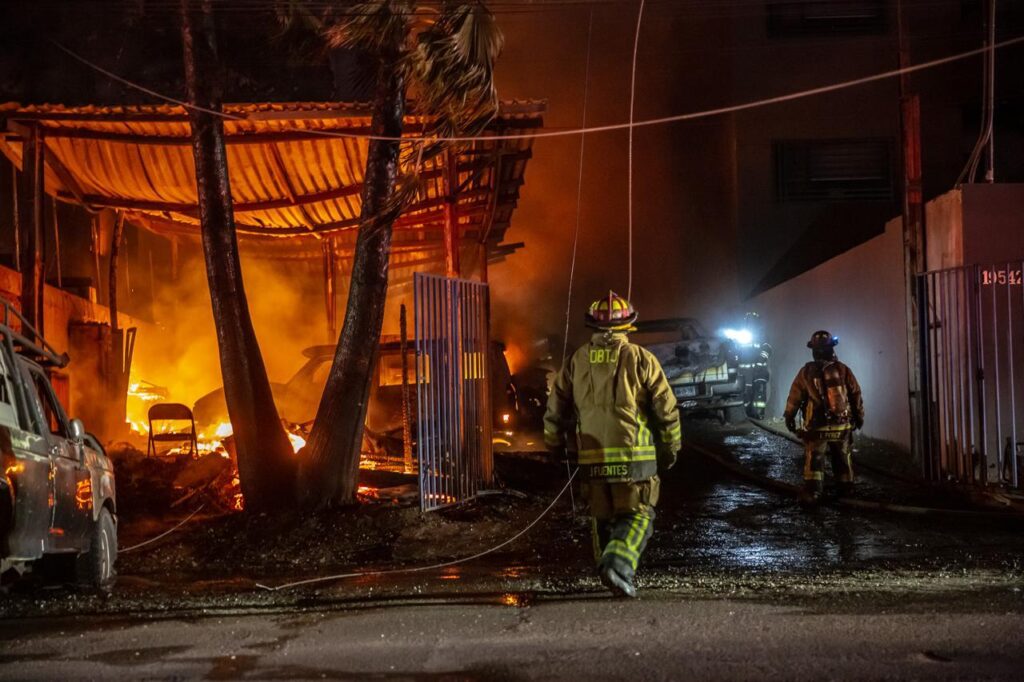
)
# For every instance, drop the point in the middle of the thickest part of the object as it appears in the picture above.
(330, 463)
(265, 458)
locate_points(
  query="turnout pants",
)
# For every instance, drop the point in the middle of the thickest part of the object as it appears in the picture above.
(835, 444)
(622, 520)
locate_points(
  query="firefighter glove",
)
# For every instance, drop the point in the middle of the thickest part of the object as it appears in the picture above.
(791, 424)
(858, 423)
(666, 458)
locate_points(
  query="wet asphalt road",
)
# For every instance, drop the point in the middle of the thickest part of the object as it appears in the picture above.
(738, 583)
(657, 638)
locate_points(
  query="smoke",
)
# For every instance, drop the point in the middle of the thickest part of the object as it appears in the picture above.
(684, 262)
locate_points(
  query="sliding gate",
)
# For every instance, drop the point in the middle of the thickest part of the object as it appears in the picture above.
(972, 341)
(452, 389)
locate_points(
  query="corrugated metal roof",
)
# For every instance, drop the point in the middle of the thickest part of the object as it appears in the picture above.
(292, 183)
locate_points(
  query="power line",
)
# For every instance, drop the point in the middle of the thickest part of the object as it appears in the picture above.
(540, 134)
(629, 174)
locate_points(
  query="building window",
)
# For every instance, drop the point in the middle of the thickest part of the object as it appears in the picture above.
(834, 170)
(825, 17)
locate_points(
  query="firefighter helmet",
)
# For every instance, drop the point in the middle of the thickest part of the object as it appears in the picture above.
(822, 340)
(611, 312)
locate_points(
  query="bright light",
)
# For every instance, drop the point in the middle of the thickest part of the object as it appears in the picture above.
(740, 336)
(298, 442)
(224, 429)
(505, 418)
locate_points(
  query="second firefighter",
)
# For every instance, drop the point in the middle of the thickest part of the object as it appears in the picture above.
(825, 393)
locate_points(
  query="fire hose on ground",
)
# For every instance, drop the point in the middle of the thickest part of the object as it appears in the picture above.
(162, 535)
(431, 567)
(790, 490)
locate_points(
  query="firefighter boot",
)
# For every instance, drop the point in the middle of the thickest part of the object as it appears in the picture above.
(810, 494)
(617, 576)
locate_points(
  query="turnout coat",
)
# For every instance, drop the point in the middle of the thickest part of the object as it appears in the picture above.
(616, 396)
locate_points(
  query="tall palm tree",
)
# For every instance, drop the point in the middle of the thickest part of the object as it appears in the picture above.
(444, 54)
(265, 460)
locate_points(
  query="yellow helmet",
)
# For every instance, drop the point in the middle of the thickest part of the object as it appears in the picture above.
(611, 313)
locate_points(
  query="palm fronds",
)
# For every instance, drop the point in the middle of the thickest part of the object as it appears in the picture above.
(453, 65)
(375, 26)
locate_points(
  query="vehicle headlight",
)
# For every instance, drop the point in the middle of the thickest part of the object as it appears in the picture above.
(740, 336)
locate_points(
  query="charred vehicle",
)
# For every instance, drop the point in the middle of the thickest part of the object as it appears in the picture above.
(57, 498)
(297, 399)
(703, 370)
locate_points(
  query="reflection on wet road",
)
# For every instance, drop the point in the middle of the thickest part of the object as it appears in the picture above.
(709, 520)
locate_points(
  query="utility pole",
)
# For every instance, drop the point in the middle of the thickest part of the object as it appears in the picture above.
(913, 241)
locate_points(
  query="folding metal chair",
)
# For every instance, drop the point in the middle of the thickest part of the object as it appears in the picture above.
(172, 412)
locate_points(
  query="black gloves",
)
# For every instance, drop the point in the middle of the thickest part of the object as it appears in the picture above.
(791, 424)
(858, 423)
(666, 458)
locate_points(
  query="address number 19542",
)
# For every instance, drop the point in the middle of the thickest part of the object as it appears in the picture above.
(990, 277)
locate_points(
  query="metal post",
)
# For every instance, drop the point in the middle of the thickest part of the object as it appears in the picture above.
(484, 274)
(331, 289)
(56, 242)
(928, 426)
(913, 258)
(15, 219)
(406, 407)
(980, 373)
(995, 372)
(1009, 352)
(30, 220)
(451, 217)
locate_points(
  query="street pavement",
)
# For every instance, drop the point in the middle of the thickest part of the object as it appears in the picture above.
(659, 637)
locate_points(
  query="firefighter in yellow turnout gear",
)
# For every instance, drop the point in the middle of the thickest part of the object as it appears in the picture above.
(615, 396)
(827, 396)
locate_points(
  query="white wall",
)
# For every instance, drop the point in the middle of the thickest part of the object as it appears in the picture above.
(859, 297)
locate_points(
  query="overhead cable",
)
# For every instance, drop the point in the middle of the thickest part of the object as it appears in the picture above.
(629, 171)
(540, 134)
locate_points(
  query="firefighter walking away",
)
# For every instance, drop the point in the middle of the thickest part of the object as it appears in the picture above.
(826, 395)
(614, 399)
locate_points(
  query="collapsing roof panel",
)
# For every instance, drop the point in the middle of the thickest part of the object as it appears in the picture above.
(296, 178)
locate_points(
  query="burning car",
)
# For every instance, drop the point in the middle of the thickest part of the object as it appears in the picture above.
(703, 370)
(297, 399)
(57, 498)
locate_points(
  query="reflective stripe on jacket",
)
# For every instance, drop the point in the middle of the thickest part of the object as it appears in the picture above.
(624, 412)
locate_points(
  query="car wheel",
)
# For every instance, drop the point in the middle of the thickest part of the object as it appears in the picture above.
(95, 568)
(735, 414)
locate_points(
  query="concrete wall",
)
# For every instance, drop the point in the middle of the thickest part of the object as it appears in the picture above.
(859, 297)
(976, 224)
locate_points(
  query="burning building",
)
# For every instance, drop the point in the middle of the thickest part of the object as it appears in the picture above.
(296, 177)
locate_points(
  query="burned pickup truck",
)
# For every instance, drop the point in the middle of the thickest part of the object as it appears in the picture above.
(703, 370)
(57, 503)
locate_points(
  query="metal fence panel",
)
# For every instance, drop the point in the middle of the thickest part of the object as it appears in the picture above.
(972, 340)
(453, 424)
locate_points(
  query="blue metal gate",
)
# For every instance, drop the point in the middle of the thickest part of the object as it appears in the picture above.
(453, 425)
